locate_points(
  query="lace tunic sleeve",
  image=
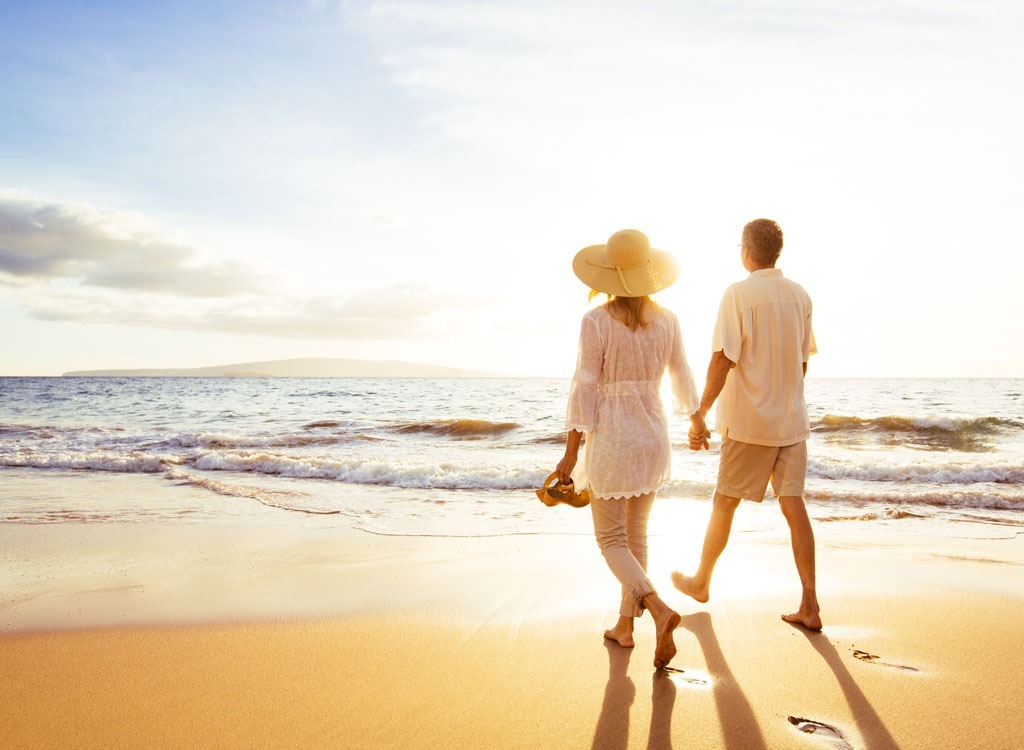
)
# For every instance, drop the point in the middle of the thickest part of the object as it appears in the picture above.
(684, 388)
(581, 414)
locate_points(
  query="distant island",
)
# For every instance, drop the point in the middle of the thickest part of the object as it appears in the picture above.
(308, 367)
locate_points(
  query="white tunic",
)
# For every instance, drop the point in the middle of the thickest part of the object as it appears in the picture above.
(615, 400)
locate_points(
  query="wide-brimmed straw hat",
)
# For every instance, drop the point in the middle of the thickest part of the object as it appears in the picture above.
(626, 266)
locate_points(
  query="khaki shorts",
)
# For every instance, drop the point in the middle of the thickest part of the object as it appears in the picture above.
(744, 469)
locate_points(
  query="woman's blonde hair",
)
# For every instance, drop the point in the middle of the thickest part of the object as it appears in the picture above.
(633, 312)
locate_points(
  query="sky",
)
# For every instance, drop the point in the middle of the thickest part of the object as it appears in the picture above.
(187, 184)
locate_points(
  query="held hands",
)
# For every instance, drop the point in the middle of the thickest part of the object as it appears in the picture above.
(699, 434)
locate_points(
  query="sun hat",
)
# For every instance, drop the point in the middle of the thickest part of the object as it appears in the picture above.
(626, 266)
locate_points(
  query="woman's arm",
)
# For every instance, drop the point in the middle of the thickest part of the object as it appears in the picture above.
(572, 448)
(684, 387)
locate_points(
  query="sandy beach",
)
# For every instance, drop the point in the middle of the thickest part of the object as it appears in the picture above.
(255, 635)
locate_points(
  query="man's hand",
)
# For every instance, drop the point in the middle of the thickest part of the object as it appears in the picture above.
(699, 434)
(718, 371)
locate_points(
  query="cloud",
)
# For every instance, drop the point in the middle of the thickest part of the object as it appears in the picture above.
(99, 248)
(75, 263)
(399, 312)
(402, 311)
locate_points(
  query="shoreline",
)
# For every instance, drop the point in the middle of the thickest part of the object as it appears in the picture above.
(267, 564)
(250, 634)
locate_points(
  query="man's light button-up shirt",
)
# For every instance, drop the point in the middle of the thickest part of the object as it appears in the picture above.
(764, 326)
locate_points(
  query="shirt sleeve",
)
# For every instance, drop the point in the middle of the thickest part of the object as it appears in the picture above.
(809, 345)
(684, 387)
(728, 335)
(581, 413)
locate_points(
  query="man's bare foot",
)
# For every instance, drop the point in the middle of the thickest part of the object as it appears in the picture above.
(666, 646)
(688, 585)
(809, 620)
(622, 638)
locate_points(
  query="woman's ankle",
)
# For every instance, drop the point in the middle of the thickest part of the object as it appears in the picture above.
(654, 605)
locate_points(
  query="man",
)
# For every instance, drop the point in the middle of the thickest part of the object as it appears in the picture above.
(761, 345)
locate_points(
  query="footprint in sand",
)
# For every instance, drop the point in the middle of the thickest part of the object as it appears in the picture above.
(820, 729)
(690, 678)
(874, 659)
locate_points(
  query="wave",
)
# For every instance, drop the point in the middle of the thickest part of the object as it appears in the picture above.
(26, 432)
(687, 488)
(978, 426)
(989, 499)
(886, 514)
(271, 498)
(49, 432)
(445, 476)
(953, 472)
(558, 439)
(131, 463)
(891, 476)
(457, 428)
(223, 440)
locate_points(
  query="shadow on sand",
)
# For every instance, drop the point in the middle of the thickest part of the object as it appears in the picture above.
(612, 732)
(872, 730)
(739, 725)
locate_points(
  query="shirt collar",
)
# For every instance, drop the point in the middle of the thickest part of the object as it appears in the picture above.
(767, 272)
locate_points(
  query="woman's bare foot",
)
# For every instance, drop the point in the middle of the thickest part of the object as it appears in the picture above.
(689, 586)
(622, 633)
(809, 620)
(666, 645)
(623, 639)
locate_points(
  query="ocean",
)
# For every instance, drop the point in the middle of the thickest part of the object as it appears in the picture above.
(427, 456)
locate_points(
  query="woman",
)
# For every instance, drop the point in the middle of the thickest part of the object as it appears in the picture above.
(626, 345)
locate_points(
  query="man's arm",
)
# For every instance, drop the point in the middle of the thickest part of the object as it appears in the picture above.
(718, 371)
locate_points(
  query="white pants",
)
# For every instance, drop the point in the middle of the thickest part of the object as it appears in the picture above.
(620, 526)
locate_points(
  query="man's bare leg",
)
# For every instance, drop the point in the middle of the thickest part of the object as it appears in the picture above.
(622, 633)
(715, 539)
(802, 537)
(666, 620)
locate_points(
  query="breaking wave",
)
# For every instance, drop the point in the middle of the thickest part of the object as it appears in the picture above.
(223, 440)
(938, 497)
(930, 425)
(132, 463)
(457, 428)
(952, 472)
(423, 475)
(963, 434)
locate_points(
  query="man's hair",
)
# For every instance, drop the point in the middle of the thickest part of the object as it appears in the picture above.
(763, 238)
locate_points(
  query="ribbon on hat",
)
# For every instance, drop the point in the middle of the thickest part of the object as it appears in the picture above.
(619, 270)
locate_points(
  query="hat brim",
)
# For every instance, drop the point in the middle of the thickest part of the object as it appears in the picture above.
(592, 268)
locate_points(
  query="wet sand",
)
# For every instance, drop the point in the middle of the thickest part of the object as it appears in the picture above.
(171, 635)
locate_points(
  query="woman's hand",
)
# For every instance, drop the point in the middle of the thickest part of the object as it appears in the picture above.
(565, 467)
(568, 462)
(699, 434)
